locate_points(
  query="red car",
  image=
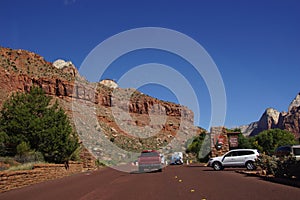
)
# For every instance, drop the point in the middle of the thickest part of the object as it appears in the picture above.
(149, 160)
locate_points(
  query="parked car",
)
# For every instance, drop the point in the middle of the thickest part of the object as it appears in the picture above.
(149, 160)
(177, 158)
(293, 150)
(162, 159)
(235, 158)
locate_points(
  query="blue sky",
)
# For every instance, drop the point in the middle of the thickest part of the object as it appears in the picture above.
(255, 44)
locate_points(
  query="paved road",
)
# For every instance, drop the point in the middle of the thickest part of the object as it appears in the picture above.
(175, 182)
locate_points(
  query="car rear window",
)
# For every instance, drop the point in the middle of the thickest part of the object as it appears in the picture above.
(149, 154)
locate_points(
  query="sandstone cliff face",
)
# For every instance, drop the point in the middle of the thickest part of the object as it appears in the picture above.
(271, 119)
(291, 121)
(59, 80)
(268, 120)
(248, 129)
(20, 69)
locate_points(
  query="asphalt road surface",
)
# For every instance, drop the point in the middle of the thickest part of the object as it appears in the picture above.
(175, 182)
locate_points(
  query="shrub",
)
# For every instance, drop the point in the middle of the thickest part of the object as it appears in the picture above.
(23, 148)
(31, 156)
(267, 163)
(286, 167)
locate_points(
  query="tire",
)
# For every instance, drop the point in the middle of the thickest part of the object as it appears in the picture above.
(250, 165)
(217, 166)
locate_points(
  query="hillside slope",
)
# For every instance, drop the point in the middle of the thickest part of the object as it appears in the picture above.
(108, 121)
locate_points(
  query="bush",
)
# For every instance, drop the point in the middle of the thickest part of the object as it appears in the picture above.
(286, 167)
(23, 148)
(31, 156)
(267, 163)
(25, 166)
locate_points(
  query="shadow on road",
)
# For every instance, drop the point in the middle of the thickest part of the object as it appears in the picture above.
(145, 172)
(284, 181)
(195, 166)
(224, 170)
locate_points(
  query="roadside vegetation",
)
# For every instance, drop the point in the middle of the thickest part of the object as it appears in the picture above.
(266, 143)
(283, 167)
(197, 147)
(34, 129)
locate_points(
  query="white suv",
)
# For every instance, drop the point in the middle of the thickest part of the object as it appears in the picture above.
(235, 158)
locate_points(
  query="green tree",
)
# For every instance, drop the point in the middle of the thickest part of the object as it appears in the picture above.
(244, 142)
(267, 141)
(200, 146)
(30, 118)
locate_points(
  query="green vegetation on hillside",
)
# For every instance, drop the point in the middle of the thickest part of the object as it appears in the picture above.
(31, 125)
(199, 146)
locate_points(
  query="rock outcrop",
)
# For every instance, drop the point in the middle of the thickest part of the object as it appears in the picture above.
(249, 128)
(295, 103)
(291, 121)
(66, 67)
(109, 83)
(269, 119)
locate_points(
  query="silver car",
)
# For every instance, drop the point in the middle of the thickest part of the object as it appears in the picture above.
(235, 158)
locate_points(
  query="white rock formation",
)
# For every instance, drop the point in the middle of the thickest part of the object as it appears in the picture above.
(60, 64)
(295, 102)
(273, 114)
(109, 83)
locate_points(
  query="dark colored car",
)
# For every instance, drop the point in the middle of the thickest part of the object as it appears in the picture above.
(149, 160)
(288, 150)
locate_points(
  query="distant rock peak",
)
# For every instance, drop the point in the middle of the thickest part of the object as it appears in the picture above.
(272, 114)
(295, 102)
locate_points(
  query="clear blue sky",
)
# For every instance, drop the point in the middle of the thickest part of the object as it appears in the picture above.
(255, 44)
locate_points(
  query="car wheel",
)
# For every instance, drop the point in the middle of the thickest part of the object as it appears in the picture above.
(250, 165)
(217, 166)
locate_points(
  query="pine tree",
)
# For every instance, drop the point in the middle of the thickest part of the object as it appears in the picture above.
(30, 117)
